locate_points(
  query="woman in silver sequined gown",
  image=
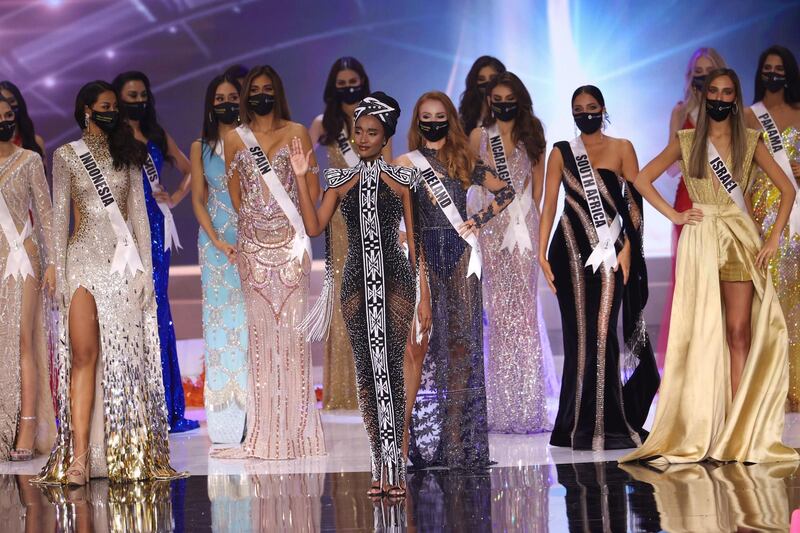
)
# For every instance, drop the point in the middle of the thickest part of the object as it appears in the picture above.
(520, 374)
(109, 391)
(448, 426)
(26, 409)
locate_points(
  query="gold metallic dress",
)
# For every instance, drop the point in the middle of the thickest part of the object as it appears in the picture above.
(128, 428)
(23, 185)
(338, 370)
(785, 266)
(696, 418)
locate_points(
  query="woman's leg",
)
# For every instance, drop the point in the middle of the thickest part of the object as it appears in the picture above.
(84, 337)
(738, 299)
(28, 372)
(412, 374)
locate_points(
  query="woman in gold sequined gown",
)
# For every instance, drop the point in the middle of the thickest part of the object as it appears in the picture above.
(26, 419)
(110, 396)
(725, 376)
(346, 85)
(781, 97)
(282, 418)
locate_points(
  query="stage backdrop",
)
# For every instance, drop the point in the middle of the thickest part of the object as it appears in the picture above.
(636, 52)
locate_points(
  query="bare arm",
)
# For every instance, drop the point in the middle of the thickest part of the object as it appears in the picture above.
(311, 178)
(315, 130)
(651, 172)
(232, 144)
(537, 174)
(199, 191)
(315, 219)
(778, 177)
(184, 167)
(555, 166)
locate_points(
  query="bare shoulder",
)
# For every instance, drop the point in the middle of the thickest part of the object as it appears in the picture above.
(402, 160)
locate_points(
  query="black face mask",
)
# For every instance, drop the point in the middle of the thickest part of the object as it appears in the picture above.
(718, 110)
(227, 112)
(505, 111)
(698, 82)
(350, 95)
(483, 86)
(135, 110)
(773, 81)
(588, 123)
(434, 131)
(7, 128)
(105, 120)
(261, 103)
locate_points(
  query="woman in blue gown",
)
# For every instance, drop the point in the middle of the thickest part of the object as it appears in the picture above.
(224, 318)
(138, 109)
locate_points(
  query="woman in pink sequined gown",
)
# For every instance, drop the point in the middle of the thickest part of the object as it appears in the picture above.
(282, 418)
(519, 365)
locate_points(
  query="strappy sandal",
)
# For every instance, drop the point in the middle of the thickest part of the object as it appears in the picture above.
(375, 491)
(78, 475)
(395, 492)
(23, 454)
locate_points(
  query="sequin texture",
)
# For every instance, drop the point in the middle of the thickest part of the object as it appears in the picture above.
(785, 266)
(128, 435)
(520, 374)
(282, 418)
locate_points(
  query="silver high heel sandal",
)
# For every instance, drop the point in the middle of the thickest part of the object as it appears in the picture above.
(23, 454)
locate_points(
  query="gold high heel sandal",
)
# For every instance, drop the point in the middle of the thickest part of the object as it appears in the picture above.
(23, 454)
(78, 476)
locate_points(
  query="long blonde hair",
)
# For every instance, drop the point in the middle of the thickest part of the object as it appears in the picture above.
(691, 97)
(456, 154)
(698, 157)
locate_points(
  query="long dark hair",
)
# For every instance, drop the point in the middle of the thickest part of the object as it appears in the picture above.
(333, 119)
(25, 127)
(281, 109)
(527, 126)
(698, 156)
(210, 122)
(125, 150)
(791, 94)
(471, 104)
(149, 122)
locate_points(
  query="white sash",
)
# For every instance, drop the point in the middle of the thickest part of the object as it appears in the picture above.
(447, 206)
(18, 263)
(517, 233)
(301, 243)
(725, 178)
(170, 231)
(126, 256)
(343, 142)
(604, 252)
(781, 157)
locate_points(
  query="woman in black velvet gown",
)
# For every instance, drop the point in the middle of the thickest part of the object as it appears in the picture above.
(378, 282)
(596, 410)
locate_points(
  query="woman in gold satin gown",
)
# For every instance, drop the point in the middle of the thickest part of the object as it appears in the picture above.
(725, 376)
(346, 85)
(778, 88)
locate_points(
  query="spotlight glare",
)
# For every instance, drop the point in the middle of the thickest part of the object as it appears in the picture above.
(49, 82)
(173, 29)
(110, 54)
(54, 3)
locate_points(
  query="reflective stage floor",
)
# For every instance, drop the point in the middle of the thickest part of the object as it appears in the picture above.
(533, 487)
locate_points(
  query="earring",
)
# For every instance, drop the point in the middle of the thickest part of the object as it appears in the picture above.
(86, 118)
(735, 108)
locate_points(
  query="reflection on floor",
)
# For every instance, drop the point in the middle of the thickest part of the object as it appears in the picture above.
(564, 497)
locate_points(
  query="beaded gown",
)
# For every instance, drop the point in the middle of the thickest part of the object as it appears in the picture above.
(696, 417)
(224, 317)
(377, 299)
(282, 417)
(128, 438)
(23, 184)
(785, 266)
(173, 383)
(520, 374)
(596, 409)
(449, 422)
(338, 372)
